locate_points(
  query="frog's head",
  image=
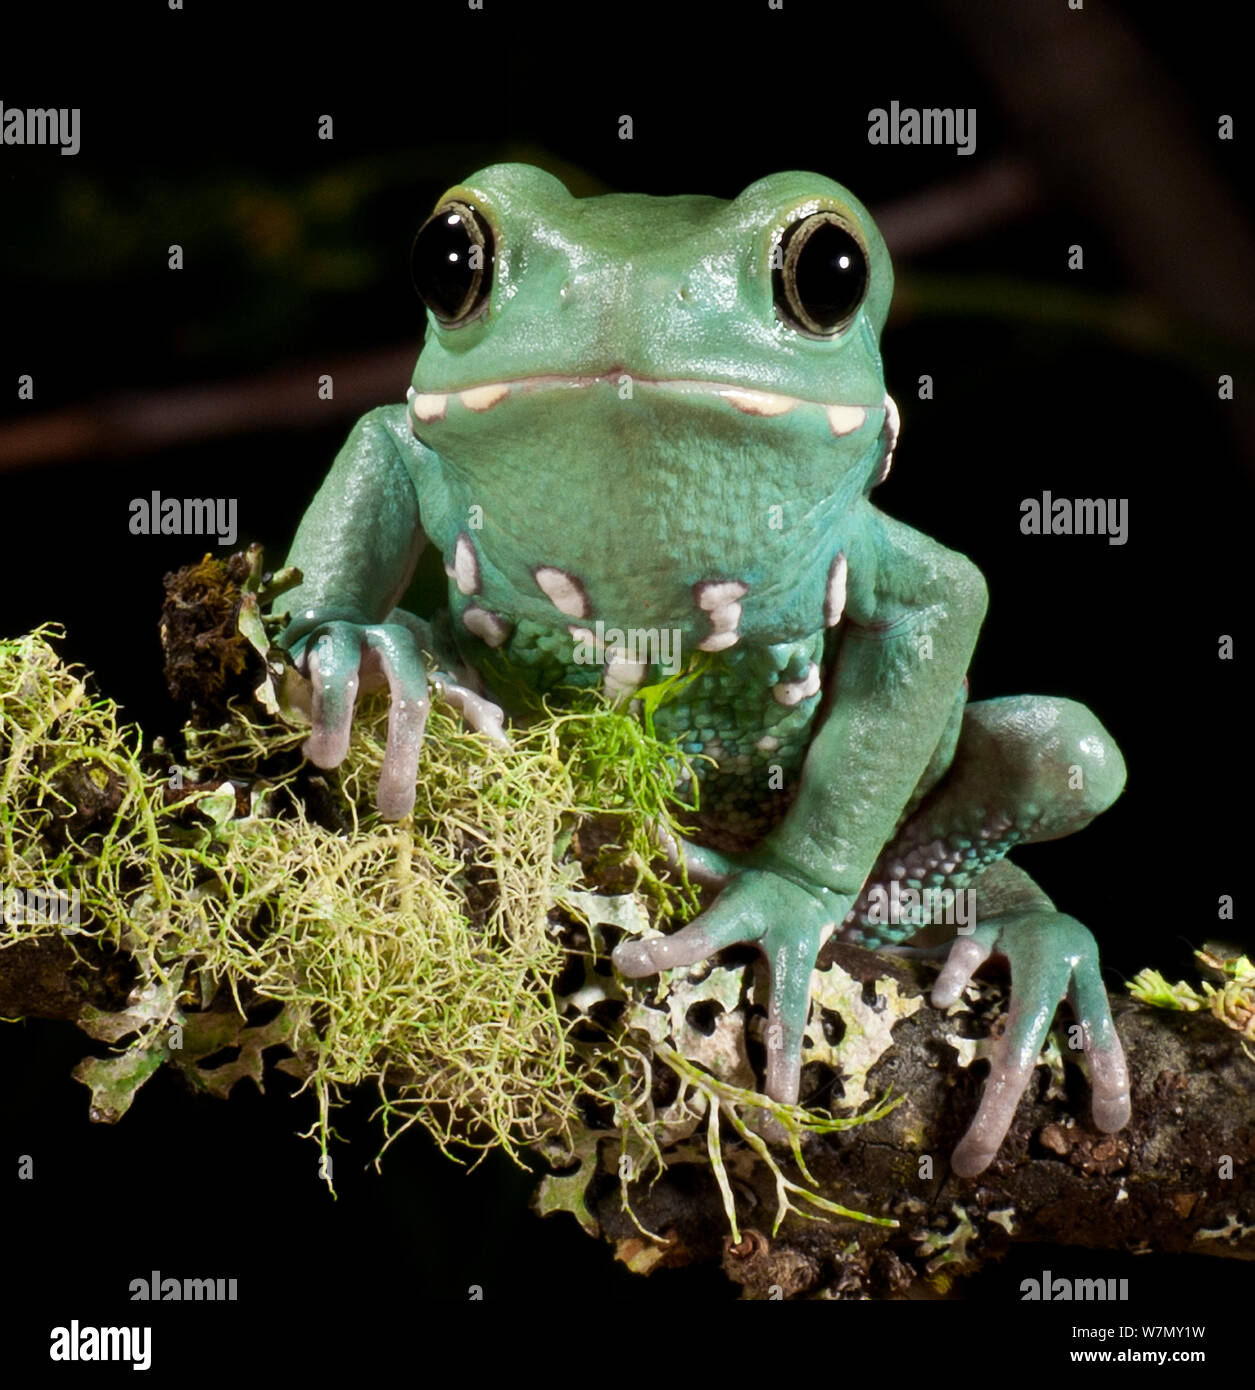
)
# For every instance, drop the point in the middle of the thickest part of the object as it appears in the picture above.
(645, 353)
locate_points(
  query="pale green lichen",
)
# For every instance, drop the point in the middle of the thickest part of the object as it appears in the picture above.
(568, 1192)
(949, 1249)
(868, 1028)
(1232, 1001)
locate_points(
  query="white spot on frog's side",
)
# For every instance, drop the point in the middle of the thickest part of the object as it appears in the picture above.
(488, 627)
(794, 692)
(563, 590)
(834, 599)
(718, 599)
(889, 438)
(622, 677)
(760, 402)
(714, 593)
(427, 408)
(465, 566)
(768, 743)
(845, 419)
(484, 397)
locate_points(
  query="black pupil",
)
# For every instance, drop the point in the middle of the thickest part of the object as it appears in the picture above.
(830, 275)
(443, 273)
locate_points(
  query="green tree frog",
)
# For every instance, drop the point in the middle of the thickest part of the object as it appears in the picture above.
(643, 433)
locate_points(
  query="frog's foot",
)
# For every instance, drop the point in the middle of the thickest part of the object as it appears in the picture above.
(705, 867)
(1051, 955)
(787, 924)
(342, 659)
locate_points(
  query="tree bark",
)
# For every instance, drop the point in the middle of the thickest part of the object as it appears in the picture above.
(1177, 1179)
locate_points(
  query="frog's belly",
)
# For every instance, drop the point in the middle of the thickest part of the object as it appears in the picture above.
(746, 719)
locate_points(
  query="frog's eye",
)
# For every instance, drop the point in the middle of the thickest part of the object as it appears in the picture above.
(451, 263)
(821, 276)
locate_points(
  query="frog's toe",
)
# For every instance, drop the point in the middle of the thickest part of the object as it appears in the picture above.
(481, 714)
(1109, 1078)
(741, 913)
(389, 652)
(790, 949)
(332, 662)
(636, 959)
(967, 955)
(978, 1147)
(1112, 1105)
(1035, 994)
(703, 865)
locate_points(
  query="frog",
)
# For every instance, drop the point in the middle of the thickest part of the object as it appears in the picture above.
(636, 417)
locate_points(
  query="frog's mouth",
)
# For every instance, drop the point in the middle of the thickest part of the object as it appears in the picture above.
(426, 407)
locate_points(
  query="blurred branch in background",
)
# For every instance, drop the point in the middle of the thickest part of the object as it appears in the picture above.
(1103, 121)
(142, 422)
(959, 210)
(1104, 132)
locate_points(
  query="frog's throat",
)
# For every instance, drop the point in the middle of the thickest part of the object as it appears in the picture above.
(843, 418)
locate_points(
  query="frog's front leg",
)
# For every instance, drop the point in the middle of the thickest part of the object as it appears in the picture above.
(888, 711)
(357, 547)
(788, 925)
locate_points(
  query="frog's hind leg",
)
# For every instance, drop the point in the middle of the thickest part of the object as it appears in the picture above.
(1025, 769)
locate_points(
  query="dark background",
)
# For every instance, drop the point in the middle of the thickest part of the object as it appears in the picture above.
(200, 128)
